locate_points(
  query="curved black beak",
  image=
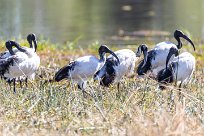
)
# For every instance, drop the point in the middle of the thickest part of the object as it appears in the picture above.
(35, 45)
(189, 40)
(112, 53)
(172, 51)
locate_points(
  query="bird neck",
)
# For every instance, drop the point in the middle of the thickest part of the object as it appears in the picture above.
(11, 51)
(179, 45)
(17, 46)
(31, 44)
(139, 51)
(21, 49)
(102, 58)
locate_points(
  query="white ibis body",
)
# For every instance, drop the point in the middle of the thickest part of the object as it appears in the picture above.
(180, 70)
(31, 38)
(112, 72)
(156, 57)
(84, 68)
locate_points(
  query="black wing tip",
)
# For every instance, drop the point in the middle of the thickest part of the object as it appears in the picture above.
(63, 72)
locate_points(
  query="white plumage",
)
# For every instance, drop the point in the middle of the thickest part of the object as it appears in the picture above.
(162, 50)
(24, 64)
(83, 68)
(186, 67)
(180, 70)
(27, 58)
(111, 72)
(156, 57)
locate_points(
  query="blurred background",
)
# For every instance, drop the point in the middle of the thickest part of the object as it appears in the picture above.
(106, 21)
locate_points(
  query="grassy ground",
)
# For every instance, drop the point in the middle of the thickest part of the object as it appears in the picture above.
(139, 108)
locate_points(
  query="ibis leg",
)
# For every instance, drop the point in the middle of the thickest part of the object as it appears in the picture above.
(14, 85)
(118, 86)
(26, 81)
(21, 85)
(180, 95)
(9, 82)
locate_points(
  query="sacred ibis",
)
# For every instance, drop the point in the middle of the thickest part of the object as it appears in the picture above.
(112, 72)
(84, 67)
(24, 64)
(156, 57)
(31, 38)
(180, 70)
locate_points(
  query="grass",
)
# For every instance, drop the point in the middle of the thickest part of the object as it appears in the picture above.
(139, 108)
